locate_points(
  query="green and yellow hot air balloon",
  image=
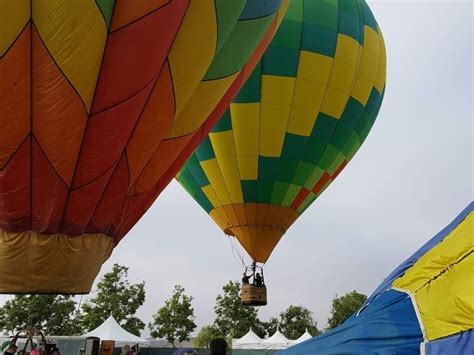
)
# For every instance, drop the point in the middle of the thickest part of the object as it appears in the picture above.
(301, 116)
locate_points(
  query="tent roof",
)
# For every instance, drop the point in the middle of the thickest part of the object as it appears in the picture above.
(277, 338)
(111, 330)
(249, 338)
(303, 337)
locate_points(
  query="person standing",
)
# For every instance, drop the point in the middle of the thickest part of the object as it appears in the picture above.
(218, 347)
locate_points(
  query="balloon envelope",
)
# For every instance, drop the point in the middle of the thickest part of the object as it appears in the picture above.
(425, 305)
(99, 101)
(293, 127)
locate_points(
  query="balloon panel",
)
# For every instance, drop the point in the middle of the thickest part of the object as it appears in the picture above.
(302, 115)
(424, 306)
(98, 100)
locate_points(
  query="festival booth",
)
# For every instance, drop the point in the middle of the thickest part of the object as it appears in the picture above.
(252, 341)
(110, 330)
(304, 337)
(277, 341)
(248, 341)
(425, 306)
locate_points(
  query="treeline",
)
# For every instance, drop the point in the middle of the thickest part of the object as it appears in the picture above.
(116, 296)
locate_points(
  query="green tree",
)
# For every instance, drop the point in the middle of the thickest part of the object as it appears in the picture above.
(271, 326)
(117, 297)
(232, 317)
(53, 314)
(343, 307)
(206, 335)
(295, 320)
(175, 320)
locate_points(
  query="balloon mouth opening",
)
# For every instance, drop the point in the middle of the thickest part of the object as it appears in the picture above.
(35, 263)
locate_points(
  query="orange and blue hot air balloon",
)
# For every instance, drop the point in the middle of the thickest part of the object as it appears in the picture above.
(100, 103)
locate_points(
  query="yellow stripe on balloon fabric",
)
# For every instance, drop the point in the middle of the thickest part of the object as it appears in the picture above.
(368, 66)
(277, 90)
(201, 104)
(273, 123)
(214, 175)
(222, 143)
(75, 34)
(13, 18)
(246, 142)
(193, 50)
(271, 143)
(346, 50)
(344, 65)
(382, 66)
(334, 103)
(369, 62)
(307, 102)
(211, 195)
(314, 67)
(219, 217)
(440, 282)
(308, 94)
(245, 116)
(446, 305)
(371, 40)
(342, 77)
(231, 175)
(301, 121)
(248, 167)
(274, 117)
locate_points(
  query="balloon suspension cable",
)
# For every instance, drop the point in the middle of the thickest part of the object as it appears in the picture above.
(239, 256)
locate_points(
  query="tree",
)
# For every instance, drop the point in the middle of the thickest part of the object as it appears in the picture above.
(295, 320)
(52, 314)
(206, 335)
(271, 326)
(176, 319)
(343, 307)
(116, 297)
(232, 317)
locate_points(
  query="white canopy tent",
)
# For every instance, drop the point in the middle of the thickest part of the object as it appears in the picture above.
(248, 341)
(278, 341)
(304, 337)
(111, 330)
(252, 341)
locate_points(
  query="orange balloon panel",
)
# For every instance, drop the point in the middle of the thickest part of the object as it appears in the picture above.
(101, 102)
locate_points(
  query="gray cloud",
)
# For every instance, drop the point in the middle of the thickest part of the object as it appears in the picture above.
(410, 178)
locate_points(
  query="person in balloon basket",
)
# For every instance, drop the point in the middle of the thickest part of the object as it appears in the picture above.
(246, 278)
(218, 347)
(258, 280)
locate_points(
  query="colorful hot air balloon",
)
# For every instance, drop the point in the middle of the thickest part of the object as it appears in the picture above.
(99, 102)
(425, 306)
(298, 120)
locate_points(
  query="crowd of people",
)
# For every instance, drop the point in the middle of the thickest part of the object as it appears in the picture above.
(30, 348)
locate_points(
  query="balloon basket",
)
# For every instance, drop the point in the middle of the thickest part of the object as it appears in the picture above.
(253, 295)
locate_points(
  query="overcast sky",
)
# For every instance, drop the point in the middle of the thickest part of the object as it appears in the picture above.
(412, 176)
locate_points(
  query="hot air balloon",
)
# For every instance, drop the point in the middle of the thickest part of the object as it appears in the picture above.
(301, 116)
(425, 306)
(99, 103)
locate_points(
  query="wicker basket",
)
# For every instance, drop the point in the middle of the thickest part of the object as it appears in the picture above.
(252, 295)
